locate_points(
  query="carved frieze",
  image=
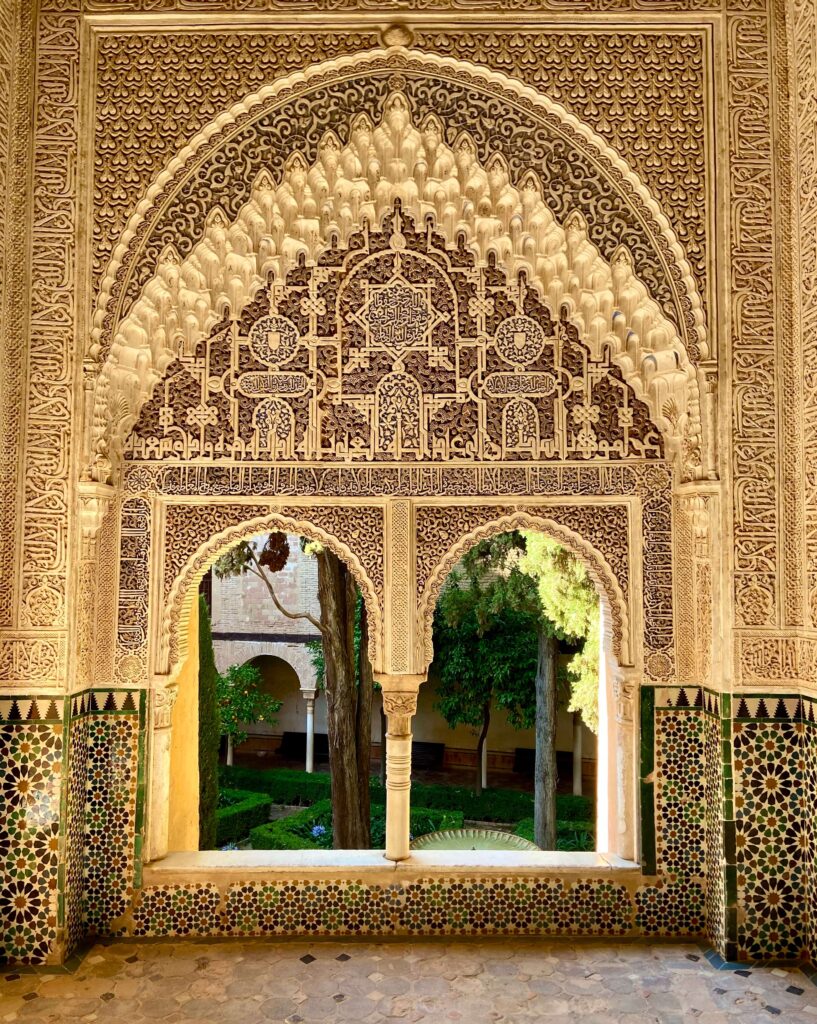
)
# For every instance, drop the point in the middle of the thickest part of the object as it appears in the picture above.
(399, 348)
(183, 81)
(631, 239)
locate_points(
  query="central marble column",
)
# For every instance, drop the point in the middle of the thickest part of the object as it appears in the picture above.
(400, 705)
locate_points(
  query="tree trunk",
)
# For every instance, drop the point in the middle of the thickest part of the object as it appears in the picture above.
(483, 737)
(363, 723)
(337, 595)
(230, 750)
(544, 804)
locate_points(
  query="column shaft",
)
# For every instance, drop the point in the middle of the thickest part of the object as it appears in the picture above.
(310, 734)
(398, 787)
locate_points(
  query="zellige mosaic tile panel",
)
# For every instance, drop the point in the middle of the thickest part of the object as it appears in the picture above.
(31, 773)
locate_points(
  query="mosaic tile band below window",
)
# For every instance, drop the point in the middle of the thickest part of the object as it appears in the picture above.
(424, 906)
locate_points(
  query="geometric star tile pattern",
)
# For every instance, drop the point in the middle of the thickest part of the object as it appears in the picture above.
(733, 829)
(31, 755)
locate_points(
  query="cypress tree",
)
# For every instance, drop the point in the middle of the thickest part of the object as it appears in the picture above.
(209, 731)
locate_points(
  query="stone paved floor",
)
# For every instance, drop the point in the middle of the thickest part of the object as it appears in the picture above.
(498, 981)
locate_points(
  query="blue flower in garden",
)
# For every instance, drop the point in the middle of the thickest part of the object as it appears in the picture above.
(318, 830)
(229, 846)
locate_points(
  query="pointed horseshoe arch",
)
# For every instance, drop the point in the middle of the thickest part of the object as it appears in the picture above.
(156, 302)
(598, 569)
(176, 609)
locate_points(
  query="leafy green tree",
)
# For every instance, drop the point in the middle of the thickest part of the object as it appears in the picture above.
(485, 654)
(570, 601)
(241, 702)
(494, 581)
(209, 731)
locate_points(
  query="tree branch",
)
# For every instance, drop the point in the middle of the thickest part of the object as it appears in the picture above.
(259, 572)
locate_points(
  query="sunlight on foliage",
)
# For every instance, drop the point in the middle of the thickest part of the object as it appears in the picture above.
(242, 702)
(569, 599)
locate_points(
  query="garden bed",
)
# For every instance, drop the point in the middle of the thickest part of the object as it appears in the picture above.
(290, 786)
(311, 828)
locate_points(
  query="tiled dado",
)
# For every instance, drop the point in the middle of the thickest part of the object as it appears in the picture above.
(727, 841)
(425, 906)
(114, 807)
(681, 803)
(69, 817)
(734, 783)
(32, 763)
(769, 826)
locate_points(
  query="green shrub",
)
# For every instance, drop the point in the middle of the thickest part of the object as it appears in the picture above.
(311, 829)
(288, 785)
(241, 811)
(573, 808)
(293, 832)
(491, 805)
(291, 786)
(209, 732)
(570, 835)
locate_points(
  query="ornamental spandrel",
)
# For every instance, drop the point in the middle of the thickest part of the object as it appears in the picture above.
(396, 347)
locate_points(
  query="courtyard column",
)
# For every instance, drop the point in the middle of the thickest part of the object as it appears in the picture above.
(309, 695)
(400, 704)
(164, 697)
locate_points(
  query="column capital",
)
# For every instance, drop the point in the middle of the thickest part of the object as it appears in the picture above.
(164, 697)
(94, 501)
(399, 692)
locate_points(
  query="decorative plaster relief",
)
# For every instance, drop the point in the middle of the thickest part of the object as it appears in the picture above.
(119, 388)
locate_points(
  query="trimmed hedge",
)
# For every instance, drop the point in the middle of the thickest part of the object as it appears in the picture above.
(290, 786)
(243, 813)
(282, 785)
(574, 808)
(570, 835)
(293, 832)
(492, 805)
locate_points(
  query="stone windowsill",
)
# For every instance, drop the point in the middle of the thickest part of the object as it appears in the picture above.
(225, 866)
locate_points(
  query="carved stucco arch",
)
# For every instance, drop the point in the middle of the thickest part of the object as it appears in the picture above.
(598, 569)
(131, 369)
(176, 610)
